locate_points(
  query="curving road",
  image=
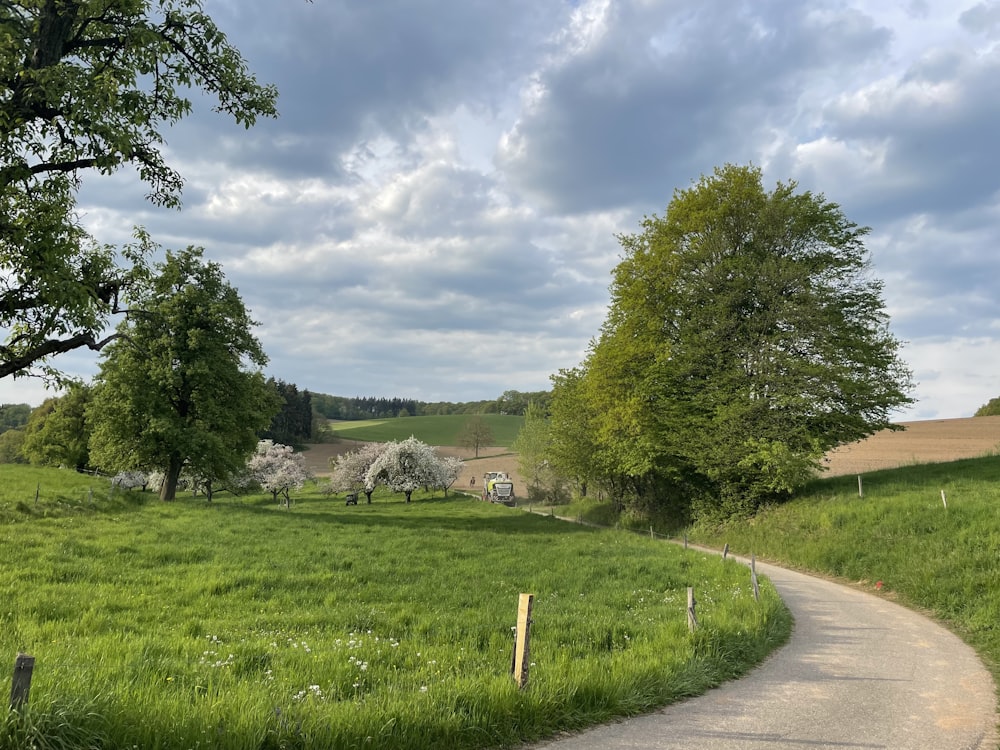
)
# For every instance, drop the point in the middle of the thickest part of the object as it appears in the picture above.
(858, 672)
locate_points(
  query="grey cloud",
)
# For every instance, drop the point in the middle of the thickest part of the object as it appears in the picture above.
(669, 93)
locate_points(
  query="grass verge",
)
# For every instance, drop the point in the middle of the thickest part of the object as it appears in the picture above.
(902, 538)
(238, 624)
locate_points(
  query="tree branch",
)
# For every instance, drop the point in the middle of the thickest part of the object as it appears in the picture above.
(50, 347)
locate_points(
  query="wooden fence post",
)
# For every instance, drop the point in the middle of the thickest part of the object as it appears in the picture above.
(944, 500)
(692, 617)
(861, 492)
(753, 578)
(725, 551)
(651, 533)
(522, 649)
(21, 684)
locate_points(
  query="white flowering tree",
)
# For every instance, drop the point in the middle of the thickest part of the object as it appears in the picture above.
(405, 466)
(278, 469)
(350, 470)
(449, 469)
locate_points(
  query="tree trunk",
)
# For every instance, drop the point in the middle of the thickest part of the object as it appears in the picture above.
(168, 490)
(368, 494)
(408, 493)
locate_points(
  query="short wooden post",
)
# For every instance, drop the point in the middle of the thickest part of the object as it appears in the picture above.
(522, 650)
(944, 500)
(38, 488)
(753, 578)
(21, 685)
(651, 533)
(685, 541)
(861, 492)
(692, 617)
(725, 550)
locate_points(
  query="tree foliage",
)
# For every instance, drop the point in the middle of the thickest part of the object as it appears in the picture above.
(173, 391)
(58, 431)
(89, 86)
(746, 337)
(533, 446)
(990, 409)
(13, 416)
(293, 424)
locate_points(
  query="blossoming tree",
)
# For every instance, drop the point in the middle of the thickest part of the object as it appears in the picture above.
(350, 470)
(278, 469)
(405, 466)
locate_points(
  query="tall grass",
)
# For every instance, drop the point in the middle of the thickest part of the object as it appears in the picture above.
(239, 624)
(900, 538)
(433, 430)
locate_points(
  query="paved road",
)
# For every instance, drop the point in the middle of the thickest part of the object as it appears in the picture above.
(858, 672)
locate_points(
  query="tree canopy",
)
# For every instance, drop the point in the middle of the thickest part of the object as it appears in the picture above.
(90, 86)
(990, 409)
(173, 392)
(745, 338)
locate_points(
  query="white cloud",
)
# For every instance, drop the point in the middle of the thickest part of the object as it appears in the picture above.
(444, 186)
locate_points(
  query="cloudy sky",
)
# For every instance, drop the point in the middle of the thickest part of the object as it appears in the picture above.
(434, 214)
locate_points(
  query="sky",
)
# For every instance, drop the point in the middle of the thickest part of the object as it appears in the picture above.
(434, 213)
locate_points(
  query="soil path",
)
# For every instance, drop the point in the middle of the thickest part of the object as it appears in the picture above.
(858, 672)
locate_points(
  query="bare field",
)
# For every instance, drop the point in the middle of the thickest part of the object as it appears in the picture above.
(929, 441)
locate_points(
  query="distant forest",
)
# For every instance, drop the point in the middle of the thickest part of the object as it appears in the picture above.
(361, 407)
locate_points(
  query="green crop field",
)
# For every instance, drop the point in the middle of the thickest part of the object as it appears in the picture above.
(240, 624)
(434, 430)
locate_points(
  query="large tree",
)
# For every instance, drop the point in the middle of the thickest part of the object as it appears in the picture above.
(177, 390)
(754, 338)
(89, 86)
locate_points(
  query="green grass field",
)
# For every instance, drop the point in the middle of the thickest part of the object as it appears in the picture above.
(239, 624)
(434, 430)
(937, 555)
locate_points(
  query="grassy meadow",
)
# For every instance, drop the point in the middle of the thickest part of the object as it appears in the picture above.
(900, 538)
(442, 430)
(239, 624)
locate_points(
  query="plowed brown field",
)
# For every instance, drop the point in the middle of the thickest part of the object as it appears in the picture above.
(929, 441)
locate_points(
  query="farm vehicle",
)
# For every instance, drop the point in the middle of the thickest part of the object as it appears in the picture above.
(498, 488)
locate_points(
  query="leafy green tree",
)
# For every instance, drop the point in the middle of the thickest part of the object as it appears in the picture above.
(173, 393)
(764, 338)
(89, 86)
(58, 432)
(293, 424)
(10, 447)
(475, 434)
(13, 416)
(533, 447)
(990, 409)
